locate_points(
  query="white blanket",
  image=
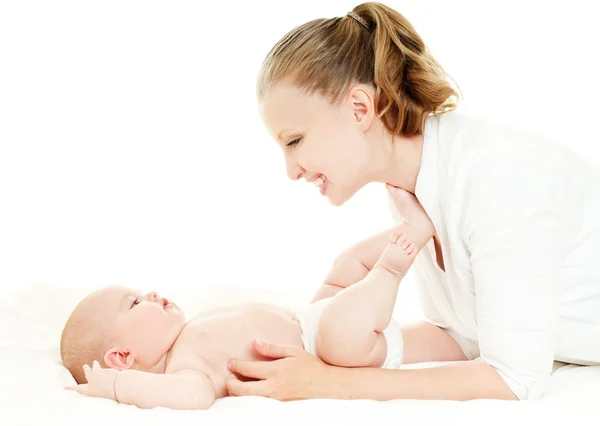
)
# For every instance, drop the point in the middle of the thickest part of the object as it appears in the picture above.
(32, 381)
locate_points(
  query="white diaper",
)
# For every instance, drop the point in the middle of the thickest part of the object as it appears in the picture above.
(309, 321)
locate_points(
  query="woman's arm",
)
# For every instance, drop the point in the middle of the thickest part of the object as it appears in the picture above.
(353, 264)
(513, 233)
(296, 374)
(459, 382)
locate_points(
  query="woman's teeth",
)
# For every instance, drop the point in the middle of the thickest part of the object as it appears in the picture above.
(319, 181)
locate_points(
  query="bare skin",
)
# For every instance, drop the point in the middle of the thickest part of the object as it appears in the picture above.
(294, 374)
(351, 328)
(194, 371)
(212, 338)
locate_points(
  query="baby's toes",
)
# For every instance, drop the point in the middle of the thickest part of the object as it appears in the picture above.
(402, 239)
(405, 244)
(394, 237)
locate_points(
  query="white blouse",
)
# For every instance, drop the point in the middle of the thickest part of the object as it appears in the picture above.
(518, 218)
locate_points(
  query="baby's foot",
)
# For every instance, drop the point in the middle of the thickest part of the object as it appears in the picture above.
(409, 237)
(416, 224)
(399, 254)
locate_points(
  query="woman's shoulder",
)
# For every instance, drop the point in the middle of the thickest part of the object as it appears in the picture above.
(468, 137)
(487, 129)
(475, 151)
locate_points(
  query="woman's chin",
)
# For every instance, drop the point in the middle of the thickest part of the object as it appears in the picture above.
(336, 203)
(339, 196)
(336, 200)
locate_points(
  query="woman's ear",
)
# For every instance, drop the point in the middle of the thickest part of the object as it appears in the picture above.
(363, 107)
(119, 358)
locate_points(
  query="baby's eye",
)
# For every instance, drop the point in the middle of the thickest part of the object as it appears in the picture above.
(135, 302)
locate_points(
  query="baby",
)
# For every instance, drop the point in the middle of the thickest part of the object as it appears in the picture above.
(144, 353)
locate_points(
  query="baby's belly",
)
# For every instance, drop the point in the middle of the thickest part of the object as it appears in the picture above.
(226, 333)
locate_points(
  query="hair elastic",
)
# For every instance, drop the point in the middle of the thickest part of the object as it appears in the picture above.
(358, 19)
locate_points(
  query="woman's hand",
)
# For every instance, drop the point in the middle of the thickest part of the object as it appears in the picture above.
(291, 373)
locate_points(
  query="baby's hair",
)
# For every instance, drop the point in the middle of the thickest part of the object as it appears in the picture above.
(83, 340)
(373, 45)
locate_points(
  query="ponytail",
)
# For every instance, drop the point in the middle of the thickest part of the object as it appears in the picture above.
(373, 45)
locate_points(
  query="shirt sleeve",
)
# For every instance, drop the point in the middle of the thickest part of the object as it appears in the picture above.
(512, 233)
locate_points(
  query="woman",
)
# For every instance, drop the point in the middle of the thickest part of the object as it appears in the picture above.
(509, 283)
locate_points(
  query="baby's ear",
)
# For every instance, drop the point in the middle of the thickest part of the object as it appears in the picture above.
(119, 358)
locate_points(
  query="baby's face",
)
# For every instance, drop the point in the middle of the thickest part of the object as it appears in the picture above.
(144, 325)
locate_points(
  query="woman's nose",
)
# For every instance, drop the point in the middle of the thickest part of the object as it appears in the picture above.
(294, 170)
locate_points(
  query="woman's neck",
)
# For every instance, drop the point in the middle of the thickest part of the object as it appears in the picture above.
(400, 160)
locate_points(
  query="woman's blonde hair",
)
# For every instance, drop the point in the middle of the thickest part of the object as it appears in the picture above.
(373, 45)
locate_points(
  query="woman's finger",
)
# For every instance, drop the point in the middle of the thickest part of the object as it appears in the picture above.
(236, 387)
(251, 369)
(274, 351)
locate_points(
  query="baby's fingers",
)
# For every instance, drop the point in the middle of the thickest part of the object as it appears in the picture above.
(82, 389)
(73, 388)
(88, 372)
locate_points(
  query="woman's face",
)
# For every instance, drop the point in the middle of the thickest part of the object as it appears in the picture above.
(322, 143)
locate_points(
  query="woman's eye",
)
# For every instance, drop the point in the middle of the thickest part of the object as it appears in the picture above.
(135, 302)
(294, 142)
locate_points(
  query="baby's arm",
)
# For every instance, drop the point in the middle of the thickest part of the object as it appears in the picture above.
(182, 390)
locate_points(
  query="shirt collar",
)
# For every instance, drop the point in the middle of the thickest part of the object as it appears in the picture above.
(426, 187)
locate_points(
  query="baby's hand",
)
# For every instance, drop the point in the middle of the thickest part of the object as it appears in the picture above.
(100, 382)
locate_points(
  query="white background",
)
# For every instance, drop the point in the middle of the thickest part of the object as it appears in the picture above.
(132, 152)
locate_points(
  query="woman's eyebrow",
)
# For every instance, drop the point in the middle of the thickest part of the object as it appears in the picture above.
(283, 131)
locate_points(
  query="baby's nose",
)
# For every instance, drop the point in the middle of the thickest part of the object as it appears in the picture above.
(153, 296)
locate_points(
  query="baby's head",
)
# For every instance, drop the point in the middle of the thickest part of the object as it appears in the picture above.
(120, 328)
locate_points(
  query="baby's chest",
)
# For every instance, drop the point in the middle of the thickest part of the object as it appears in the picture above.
(206, 349)
(211, 344)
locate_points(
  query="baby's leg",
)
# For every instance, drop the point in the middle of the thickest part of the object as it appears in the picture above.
(351, 326)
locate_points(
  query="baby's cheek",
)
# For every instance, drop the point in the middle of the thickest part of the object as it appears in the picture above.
(140, 328)
(154, 323)
(147, 325)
